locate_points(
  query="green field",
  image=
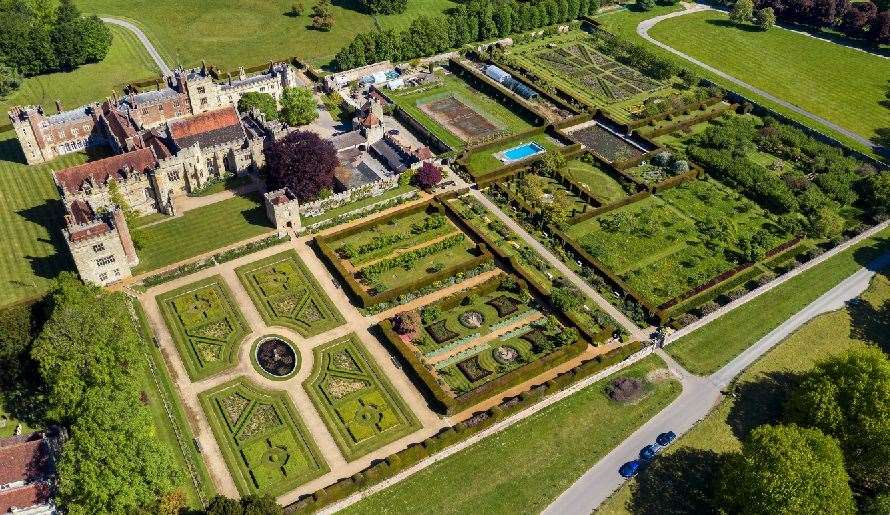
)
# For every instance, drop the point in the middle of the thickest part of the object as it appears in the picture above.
(285, 293)
(232, 33)
(679, 481)
(205, 324)
(525, 467)
(127, 61)
(265, 443)
(359, 406)
(200, 230)
(838, 83)
(499, 115)
(598, 183)
(709, 348)
(33, 250)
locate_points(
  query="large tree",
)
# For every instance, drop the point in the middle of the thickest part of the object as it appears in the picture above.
(742, 11)
(848, 397)
(303, 162)
(385, 6)
(264, 102)
(298, 106)
(78, 40)
(786, 469)
(87, 343)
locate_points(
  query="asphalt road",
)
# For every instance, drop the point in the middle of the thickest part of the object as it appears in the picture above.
(643, 31)
(152, 51)
(697, 399)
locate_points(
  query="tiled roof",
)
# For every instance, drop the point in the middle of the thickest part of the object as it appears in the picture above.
(81, 211)
(371, 120)
(22, 461)
(71, 179)
(33, 494)
(85, 233)
(208, 129)
(119, 125)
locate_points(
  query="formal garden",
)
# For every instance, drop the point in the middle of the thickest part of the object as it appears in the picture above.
(205, 324)
(359, 406)
(458, 113)
(286, 294)
(486, 159)
(604, 186)
(400, 253)
(265, 443)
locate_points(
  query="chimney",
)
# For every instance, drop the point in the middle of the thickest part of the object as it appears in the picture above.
(158, 85)
(114, 95)
(203, 67)
(123, 232)
(58, 106)
(69, 220)
(271, 67)
(241, 74)
(230, 77)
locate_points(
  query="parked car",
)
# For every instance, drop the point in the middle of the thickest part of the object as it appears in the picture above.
(648, 452)
(666, 438)
(629, 469)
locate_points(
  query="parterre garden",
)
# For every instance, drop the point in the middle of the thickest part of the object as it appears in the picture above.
(265, 443)
(286, 294)
(359, 406)
(206, 325)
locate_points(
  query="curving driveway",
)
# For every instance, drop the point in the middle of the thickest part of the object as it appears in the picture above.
(152, 51)
(643, 31)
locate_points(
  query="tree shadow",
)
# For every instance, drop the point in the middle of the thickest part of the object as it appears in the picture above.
(760, 402)
(50, 215)
(870, 324)
(744, 27)
(11, 151)
(678, 483)
(874, 257)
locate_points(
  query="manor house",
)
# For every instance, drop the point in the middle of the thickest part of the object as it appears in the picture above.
(117, 120)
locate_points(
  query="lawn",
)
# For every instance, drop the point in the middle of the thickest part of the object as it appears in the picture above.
(414, 266)
(286, 294)
(679, 480)
(232, 33)
(503, 118)
(200, 230)
(525, 467)
(359, 406)
(483, 162)
(603, 186)
(160, 395)
(717, 343)
(838, 83)
(205, 324)
(265, 443)
(127, 61)
(31, 217)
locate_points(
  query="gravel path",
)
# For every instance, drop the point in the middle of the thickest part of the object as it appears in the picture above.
(152, 51)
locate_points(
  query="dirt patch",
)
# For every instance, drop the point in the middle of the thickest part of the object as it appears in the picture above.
(459, 118)
(659, 375)
(627, 390)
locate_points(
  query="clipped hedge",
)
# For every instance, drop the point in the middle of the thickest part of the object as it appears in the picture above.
(478, 422)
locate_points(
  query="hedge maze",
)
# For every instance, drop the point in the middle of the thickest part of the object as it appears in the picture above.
(205, 324)
(265, 443)
(286, 294)
(361, 409)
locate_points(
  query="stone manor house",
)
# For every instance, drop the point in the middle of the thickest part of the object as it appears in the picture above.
(164, 143)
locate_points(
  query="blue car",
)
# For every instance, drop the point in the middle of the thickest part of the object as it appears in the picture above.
(629, 469)
(666, 438)
(648, 452)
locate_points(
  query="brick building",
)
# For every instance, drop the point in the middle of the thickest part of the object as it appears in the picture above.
(27, 474)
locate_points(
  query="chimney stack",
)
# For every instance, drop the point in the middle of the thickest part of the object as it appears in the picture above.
(229, 74)
(241, 74)
(203, 67)
(58, 106)
(158, 84)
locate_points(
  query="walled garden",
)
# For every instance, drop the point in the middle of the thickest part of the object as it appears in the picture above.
(482, 161)
(604, 186)
(265, 443)
(205, 324)
(286, 294)
(359, 406)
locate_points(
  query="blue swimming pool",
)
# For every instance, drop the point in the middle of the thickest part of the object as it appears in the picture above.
(521, 152)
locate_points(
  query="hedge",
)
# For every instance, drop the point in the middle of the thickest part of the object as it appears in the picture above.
(478, 422)
(674, 127)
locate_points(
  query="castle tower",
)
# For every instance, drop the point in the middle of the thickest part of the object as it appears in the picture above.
(26, 122)
(102, 249)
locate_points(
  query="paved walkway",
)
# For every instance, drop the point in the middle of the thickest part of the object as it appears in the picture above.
(152, 51)
(643, 31)
(555, 262)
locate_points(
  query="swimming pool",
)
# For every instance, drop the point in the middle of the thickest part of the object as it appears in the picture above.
(520, 152)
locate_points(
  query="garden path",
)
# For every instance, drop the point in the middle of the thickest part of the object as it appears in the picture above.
(152, 51)
(643, 31)
(524, 320)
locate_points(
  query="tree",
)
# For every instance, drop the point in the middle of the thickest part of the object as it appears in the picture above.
(646, 5)
(67, 36)
(558, 210)
(86, 345)
(428, 176)
(296, 9)
(10, 80)
(248, 505)
(848, 397)
(298, 106)
(303, 162)
(385, 6)
(322, 16)
(765, 18)
(826, 222)
(566, 298)
(96, 39)
(785, 469)
(264, 102)
(113, 462)
(742, 11)
(876, 194)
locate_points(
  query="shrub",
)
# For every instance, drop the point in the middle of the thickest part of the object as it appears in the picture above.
(303, 162)
(708, 307)
(626, 389)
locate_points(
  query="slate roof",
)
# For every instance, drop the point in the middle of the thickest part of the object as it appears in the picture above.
(208, 129)
(138, 161)
(347, 140)
(391, 156)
